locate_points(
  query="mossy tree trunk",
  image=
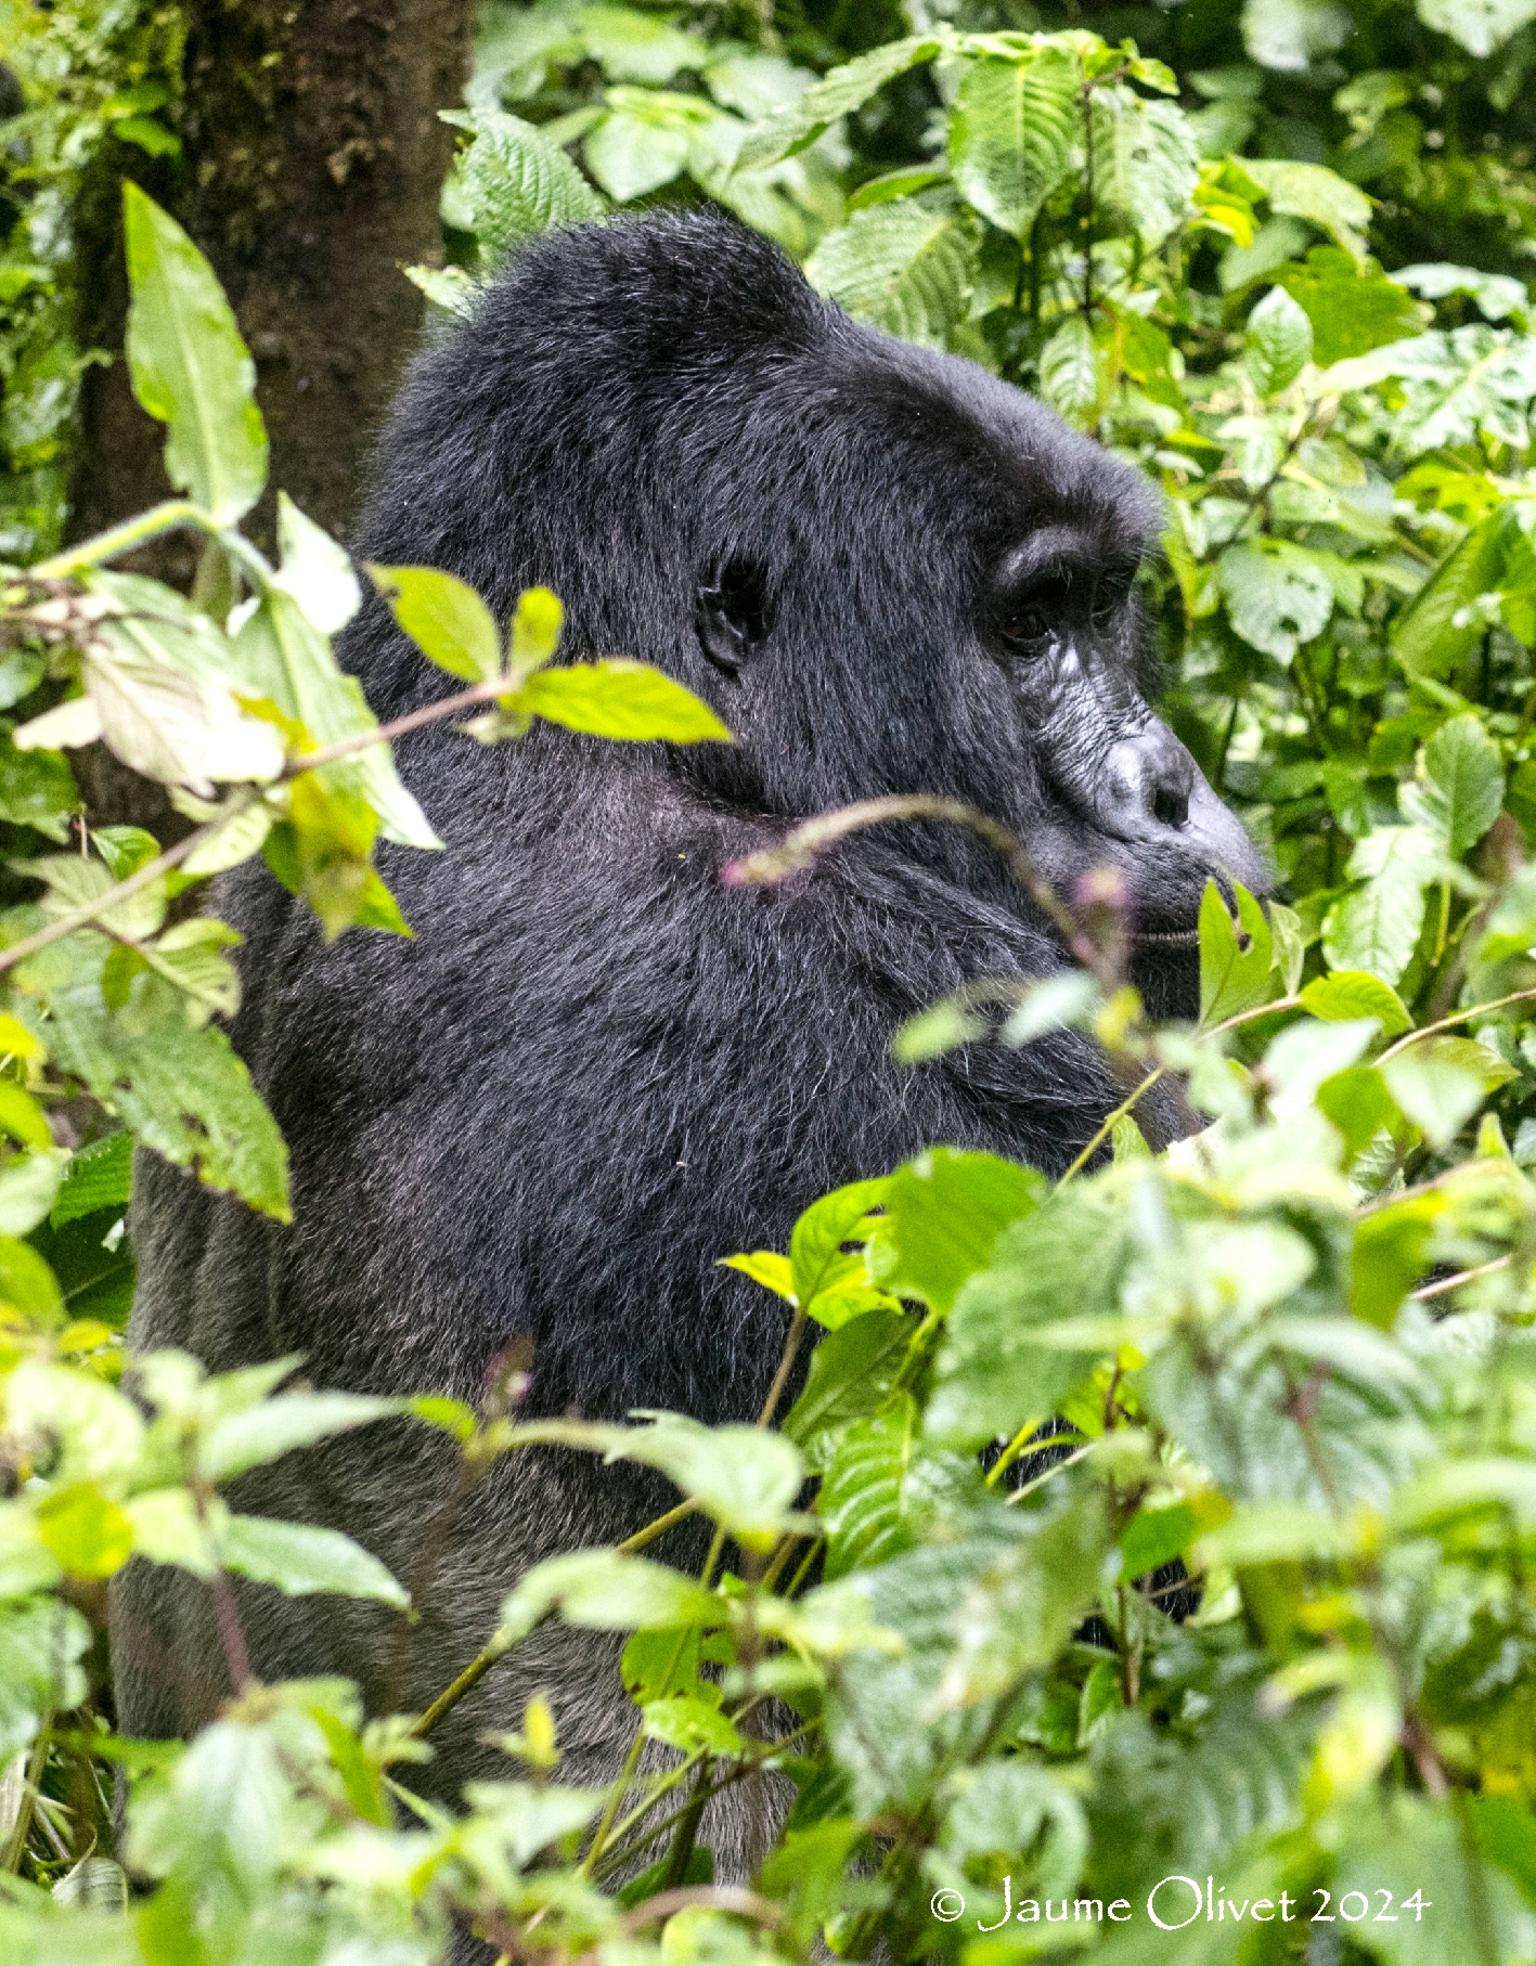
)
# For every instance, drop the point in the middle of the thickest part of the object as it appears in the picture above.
(312, 162)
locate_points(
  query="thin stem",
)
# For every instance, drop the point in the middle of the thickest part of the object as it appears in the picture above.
(1442, 1286)
(658, 1526)
(786, 1364)
(1111, 1120)
(804, 844)
(123, 538)
(451, 1694)
(1127, 1104)
(429, 713)
(1457, 1017)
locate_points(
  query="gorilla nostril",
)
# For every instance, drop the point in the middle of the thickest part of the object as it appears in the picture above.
(1170, 805)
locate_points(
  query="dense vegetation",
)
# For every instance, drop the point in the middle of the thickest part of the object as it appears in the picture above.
(1283, 264)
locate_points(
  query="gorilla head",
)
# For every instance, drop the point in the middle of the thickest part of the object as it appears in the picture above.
(888, 570)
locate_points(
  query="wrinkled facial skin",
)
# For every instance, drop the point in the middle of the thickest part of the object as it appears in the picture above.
(1121, 789)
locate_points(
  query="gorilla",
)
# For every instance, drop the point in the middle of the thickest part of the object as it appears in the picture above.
(530, 1132)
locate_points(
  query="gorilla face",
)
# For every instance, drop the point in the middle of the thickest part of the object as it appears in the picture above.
(1120, 789)
(947, 573)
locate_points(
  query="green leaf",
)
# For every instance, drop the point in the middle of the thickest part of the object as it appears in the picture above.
(992, 1373)
(1145, 160)
(449, 288)
(316, 569)
(944, 1213)
(42, 1642)
(764, 1266)
(189, 366)
(631, 46)
(217, 1814)
(745, 1477)
(1422, 1852)
(264, 1432)
(167, 1528)
(87, 1533)
(1154, 1537)
(28, 1186)
(1278, 342)
(840, 91)
(1290, 34)
(180, 1089)
(1314, 193)
(1481, 26)
(1277, 596)
(1236, 958)
(517, 184)
(861, 1494)
(1440, 1082)
(1011, 128)
(906, 267)
(818, 1261)
(1442, 624)
(159, 676)
(1351, 993)
(1375, 926)
(607, 1591)
(27, 1284)
(973, 1617)
(538, 621)
(37, 788)
(301, 1559)
(631, 156)
(1352, 305)
(886, 1489)
(1459, 791)
(852, 1371)
(445, 618)
(1069, 372)
(622, 699)
(280, 655)
(690, 1724)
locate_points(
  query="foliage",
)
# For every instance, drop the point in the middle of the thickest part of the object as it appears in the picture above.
(1293, 1356)
(79, 80)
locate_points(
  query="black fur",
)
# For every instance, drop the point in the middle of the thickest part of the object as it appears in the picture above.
(597, 1069)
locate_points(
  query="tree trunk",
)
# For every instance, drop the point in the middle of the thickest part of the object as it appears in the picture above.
(312, 163)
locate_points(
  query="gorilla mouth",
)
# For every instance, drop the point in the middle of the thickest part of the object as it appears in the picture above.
(1166, 938)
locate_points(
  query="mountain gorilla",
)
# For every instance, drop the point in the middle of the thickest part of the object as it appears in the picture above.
(597, 1069)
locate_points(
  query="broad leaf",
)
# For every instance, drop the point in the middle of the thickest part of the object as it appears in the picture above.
(1481, 26)
(189, 366)
(445, 618)
(1277, 596)
(623, 699)
(906, 267)
(1010, 135)
(302, 1558)
(840, 90)
(1279, 342)
(518, 184)
(1460, 786)
(1375, 926)
(1145, 160)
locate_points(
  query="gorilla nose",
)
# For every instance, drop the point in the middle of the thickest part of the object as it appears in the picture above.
(1149, 781)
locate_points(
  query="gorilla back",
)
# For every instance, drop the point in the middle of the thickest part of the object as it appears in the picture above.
(596, 1069)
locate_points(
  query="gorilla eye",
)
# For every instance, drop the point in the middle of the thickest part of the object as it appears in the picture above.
(1029, 619)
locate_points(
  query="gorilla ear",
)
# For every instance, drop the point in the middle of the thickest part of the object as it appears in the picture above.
(731, 612)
